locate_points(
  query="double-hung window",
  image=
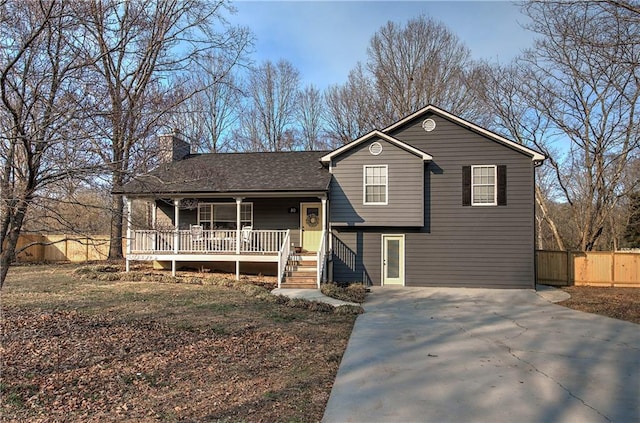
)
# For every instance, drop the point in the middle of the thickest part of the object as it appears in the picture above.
(483, 185)
(223, 215)
(376, 184)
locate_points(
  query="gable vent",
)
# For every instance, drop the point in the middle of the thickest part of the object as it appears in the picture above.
(375, 148)
(429, 125)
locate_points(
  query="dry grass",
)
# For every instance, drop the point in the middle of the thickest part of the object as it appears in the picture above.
(618, 303)
(89, 350)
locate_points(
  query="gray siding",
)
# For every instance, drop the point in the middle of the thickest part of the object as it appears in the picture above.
(491, 246)
(273, 213)
(268, 213)
(405, 188)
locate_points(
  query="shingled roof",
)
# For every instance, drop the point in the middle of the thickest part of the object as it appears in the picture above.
(235, 172)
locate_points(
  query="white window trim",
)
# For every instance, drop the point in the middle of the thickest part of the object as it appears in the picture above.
(221, 204)
(404, 259)
(495, 186)
(364, 186)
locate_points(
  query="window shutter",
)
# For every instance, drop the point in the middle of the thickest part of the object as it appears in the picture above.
(502, 185)
(466, 185)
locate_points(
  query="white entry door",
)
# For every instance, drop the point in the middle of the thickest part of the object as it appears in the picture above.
(393, 259)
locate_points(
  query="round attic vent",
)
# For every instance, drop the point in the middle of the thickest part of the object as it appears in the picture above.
(375, 148)
(429, 125)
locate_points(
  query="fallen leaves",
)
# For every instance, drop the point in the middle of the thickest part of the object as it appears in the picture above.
(618, 303)
(159, 352)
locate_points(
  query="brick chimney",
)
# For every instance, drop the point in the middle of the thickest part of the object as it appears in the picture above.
(173, 147)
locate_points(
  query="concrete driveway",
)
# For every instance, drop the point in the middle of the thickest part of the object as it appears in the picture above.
(480, 355)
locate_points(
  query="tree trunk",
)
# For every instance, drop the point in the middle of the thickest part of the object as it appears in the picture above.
(115, 246)
(547, 218)
(11, 241)
(117, 206)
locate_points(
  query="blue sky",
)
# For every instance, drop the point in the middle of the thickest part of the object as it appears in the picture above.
(325, 39)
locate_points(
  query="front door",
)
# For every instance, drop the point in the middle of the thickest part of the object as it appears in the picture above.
(311, 225)
(393, 259)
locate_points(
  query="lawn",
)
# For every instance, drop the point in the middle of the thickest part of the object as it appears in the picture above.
(78, 349)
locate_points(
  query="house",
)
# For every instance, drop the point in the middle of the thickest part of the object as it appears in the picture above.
(432, 200)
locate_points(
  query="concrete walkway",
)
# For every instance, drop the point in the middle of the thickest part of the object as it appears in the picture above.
(479, 355)
(311, 295)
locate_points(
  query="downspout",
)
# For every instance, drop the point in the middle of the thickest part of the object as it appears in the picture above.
(536, 164)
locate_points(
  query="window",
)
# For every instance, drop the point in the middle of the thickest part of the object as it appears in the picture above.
(223, 215)
(484, 185)
(375, 185)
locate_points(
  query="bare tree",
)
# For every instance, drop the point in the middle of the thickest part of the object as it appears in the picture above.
(268, 121)
(208, 117)
(353, 109)
(420, 63)
(515, 117)
(40, 74)
(575, 97)
(310, 112)
(77, 210)
(141, 50)
(408, 67)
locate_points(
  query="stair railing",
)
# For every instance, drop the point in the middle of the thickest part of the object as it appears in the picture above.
(321, 257)
(283, 257)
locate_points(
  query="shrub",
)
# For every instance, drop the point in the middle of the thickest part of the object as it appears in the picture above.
(355, 293)
(349, 310)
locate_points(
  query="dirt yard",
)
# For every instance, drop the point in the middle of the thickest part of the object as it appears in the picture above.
(89, 350)
(619, 303)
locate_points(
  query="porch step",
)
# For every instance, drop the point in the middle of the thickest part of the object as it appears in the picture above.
(302, 261)
(301, 272)
(299, 282)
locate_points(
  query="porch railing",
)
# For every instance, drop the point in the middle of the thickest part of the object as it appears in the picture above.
(283, 258)
(208, 241)
(321, 257)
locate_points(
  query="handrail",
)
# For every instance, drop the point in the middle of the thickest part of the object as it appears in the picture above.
(321, 257)
(283, 257)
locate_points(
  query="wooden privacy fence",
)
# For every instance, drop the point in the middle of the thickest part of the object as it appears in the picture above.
(558, 268)
(593, 268)
(63, 248)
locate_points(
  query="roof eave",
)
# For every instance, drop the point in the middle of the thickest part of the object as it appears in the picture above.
(535, 156)
(239, 193)
(375, 134)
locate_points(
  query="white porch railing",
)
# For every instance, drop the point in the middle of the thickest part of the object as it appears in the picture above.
(211, 241)
(283, 258)
(322, 257)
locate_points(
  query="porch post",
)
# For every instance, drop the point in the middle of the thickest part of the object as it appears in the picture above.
(176, 220)
(238, 208)
(129, 240)
(324, 213)
(238, 229)
(154, 214)
(323, 248)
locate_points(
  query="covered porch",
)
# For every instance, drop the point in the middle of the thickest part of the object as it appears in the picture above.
(259, 229)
